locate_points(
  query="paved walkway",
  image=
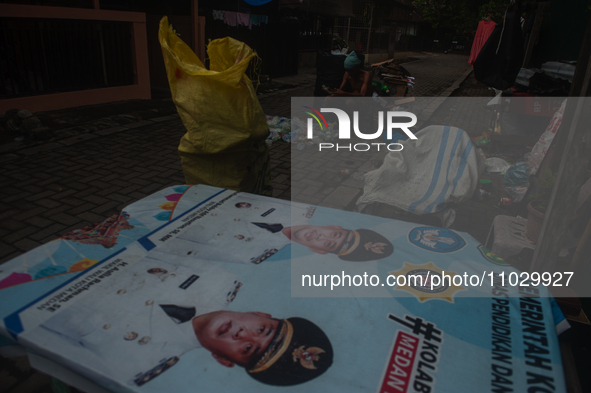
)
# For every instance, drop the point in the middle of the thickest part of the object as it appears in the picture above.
(95, 171)
(436, 74)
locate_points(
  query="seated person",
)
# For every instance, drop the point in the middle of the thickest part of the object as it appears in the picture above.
(357, 78)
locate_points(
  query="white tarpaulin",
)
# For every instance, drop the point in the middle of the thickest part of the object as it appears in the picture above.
(438, 168)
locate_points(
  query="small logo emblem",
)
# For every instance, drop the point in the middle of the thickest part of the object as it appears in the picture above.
(436, 239)
(377, 247)
(307, 357)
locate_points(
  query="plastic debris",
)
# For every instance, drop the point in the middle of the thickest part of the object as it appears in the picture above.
(278, 128)
(517, 180)
(486, 184)
(482, 142)
(496, 164)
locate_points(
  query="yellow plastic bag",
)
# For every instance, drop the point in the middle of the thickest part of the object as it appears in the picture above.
(226, 127)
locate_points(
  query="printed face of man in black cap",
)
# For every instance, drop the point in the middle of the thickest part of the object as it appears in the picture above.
(350, 245)
(322, 240)
(235, 337)
(273, 351)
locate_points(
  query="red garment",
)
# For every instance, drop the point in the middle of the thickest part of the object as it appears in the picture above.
(485, 28)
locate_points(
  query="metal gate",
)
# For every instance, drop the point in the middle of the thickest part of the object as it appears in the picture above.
(41, 56)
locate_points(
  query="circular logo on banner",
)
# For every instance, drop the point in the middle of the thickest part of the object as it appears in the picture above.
(436, 239)
(420, 280)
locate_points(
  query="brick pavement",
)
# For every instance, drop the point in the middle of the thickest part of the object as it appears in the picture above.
(437, 77)
(55, 187)
(467, 108)
(435, 74)
(62, 187)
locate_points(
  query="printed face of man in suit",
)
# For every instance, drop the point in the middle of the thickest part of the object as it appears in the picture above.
(322, 240)
(235, 337)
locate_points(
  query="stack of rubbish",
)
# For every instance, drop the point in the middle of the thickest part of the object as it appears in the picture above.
(553, 79)
(517, 174)
(395, 80)
(279, 128)
(21, 124)
(481, 141)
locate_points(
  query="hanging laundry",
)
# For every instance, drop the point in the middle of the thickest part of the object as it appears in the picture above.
(263, 19)
(485, 28)
(254, 20)
(218, 15)
(501, 56)
(230, 18)
(244, 20)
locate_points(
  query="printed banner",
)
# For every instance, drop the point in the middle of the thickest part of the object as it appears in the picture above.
(196, 303)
